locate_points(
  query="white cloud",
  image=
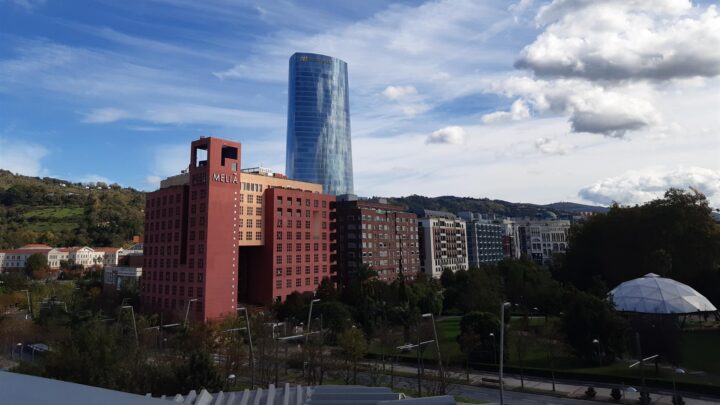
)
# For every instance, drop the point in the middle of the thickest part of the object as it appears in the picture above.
(22, 157)
(28, 5)
(153, 181)
(557, 9)
(638, 186)
(235, 72)
(591, 108)
(105, 115)
(452, 135)
(606, 64)
(620, 40)
(398, 92)
(518, 111)
(551, 146)
(180, 114)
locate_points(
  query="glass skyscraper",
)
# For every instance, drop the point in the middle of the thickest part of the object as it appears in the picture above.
(318, 131)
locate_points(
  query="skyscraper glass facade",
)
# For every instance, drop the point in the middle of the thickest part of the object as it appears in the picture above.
(318, 137)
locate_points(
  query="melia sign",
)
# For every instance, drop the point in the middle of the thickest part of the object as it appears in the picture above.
(225, 178)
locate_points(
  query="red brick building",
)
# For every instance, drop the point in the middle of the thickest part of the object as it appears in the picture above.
(377, 234)
(203, 253)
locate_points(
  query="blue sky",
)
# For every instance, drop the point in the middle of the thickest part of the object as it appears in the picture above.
(538, 101)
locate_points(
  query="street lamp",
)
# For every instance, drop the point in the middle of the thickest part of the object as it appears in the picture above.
(417, 346)
(502, 346)
(310, 317)
(132, 312)
(675, 395)
(437, 346)
(19, 347)
(187, 310)
(27, 293)
(252, 354)
(492, 336)
(596, 342)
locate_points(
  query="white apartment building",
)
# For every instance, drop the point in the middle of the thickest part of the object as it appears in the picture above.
(541, 239)
(15, 259)
(443, 242)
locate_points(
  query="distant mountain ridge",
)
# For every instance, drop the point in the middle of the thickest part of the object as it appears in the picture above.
(497, 207)
(59, 212)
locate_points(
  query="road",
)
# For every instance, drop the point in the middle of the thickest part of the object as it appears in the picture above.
(514, 398)
(568, 390)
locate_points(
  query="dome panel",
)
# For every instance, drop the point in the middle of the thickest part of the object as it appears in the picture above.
(657, 295)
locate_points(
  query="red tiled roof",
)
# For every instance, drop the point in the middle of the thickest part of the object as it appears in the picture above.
(24, 251)
(106, 249)
(35, 246)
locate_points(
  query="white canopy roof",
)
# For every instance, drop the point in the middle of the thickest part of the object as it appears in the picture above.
(653, 294)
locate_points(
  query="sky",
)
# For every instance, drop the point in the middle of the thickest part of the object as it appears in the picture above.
(531, 101)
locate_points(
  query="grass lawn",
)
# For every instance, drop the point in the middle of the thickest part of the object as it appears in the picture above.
(54, 213)
(55, 219)
(700, 353)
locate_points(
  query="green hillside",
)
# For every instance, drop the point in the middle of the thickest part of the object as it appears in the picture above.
(487, 206)
(62, 213)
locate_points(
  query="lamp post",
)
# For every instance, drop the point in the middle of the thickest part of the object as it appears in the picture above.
(417, 346)
(437, 346)
(310, 318)
(252, 353)
(187, 309)
(492, 336)
(132, 312)
(675, 394)
(19, 346)
(27, 293)
(502, 346)
(596, 342)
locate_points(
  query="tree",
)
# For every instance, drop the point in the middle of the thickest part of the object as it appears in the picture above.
(335, 316)
(474, 338)
(36, 266)
(592, 327)
(675, 235)
(354, 347)
(478, 289)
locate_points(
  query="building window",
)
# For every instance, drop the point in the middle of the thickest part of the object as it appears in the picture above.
(200, 277)
(307, 281)
(288, 283)
(298, 282)
(250, 198)
(278, 247)
(278, 284)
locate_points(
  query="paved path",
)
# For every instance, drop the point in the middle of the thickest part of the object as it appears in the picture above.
(572, 393)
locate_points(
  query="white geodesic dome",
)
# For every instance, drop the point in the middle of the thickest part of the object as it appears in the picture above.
(652, 294)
